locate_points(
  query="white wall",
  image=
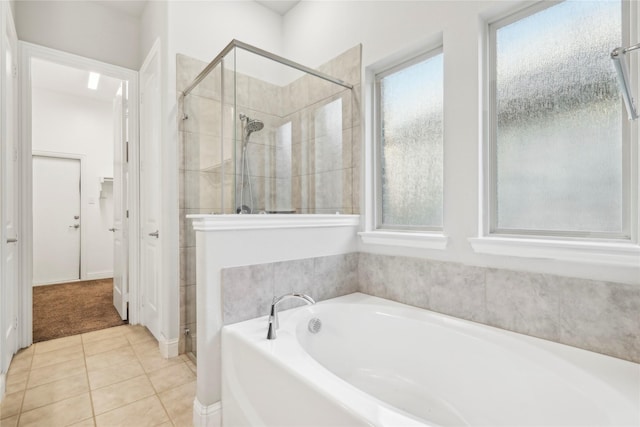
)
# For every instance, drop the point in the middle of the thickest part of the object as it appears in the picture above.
(315, 31)
(199, 29)
(81, 27)
(76, 125)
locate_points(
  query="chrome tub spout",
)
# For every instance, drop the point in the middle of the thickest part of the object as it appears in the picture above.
(273, 314)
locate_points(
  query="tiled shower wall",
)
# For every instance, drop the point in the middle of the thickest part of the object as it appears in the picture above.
(322, 151)
(599, 316)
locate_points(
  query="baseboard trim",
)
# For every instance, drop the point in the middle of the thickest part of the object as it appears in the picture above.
(100, 275)
(207, 416)
(168, 348)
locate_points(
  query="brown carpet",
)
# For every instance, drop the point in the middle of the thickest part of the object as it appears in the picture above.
(73, 308)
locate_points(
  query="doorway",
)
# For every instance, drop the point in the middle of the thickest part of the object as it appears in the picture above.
(80, 132)
(76, 122)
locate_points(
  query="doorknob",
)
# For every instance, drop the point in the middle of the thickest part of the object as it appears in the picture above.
(113, 229)
(74, 226)
(12, 240)
(155, 234)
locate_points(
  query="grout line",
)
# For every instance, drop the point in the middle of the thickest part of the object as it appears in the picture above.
(26, 385)
(86, 373)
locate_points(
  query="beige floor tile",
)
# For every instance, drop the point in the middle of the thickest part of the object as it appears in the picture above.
(120, 394)
(16, 387)
(25, 353)
(45, 346)
(23, 364)
(184, 420)
(178, 401)
(145, 412)
(9, 422)
(102, 334)
(145, 347)
(16, 381)
(100, 346)
(171, 377)
(61, 413)
(192, 366)
(57, 356)
(152, 361)
(111, 358)
(89, 422)
(114, 374)
(138, 334)
(11, 404)
(55, 391)
(55, 372)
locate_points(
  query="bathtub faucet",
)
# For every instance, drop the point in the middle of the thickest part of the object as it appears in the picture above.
(273, 314)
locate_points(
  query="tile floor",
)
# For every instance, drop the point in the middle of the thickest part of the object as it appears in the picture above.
(112, 377)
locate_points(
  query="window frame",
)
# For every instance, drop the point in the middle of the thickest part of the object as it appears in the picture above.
(378, 146)
(629, 153)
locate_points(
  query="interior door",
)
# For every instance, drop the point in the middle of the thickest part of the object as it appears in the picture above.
(150, 202)
(9, 202)
(120, 232)
(56, 220)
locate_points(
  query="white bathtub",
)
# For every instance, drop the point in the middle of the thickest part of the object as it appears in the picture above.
(376, 362)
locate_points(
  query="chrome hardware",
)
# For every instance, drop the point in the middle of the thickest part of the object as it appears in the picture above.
(12, 240)
(273, 314)
(113, 230)
(155, 234)
(74, 226)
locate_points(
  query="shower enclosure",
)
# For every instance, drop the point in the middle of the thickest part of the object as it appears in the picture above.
(260, 134)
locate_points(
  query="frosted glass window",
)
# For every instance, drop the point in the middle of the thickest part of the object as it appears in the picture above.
(558, 142)
(411, 145)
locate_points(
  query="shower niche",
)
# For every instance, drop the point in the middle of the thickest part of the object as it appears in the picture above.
(260, 134)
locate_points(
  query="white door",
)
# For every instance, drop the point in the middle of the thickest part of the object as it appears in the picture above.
(120, 232)
(9, 203)
(150, 202)
(56, 220)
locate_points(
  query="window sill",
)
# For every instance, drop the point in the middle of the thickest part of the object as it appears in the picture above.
(409, 240)
(621, 254)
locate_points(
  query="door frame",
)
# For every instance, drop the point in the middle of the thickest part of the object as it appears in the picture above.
(27, 52)
(83, 235)
(7, 28)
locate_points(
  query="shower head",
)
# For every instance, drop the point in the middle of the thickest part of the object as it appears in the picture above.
(253, 125)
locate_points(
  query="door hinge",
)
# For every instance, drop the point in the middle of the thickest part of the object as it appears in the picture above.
(126, 152)
(15, 71)
(15, 322)
(127, 213)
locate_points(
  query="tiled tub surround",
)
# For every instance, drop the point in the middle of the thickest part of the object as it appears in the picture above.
(603, 317)
(306, 159)
(248, 291)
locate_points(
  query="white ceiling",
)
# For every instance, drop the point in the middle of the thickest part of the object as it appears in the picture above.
(71, 81)
(281, 7)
